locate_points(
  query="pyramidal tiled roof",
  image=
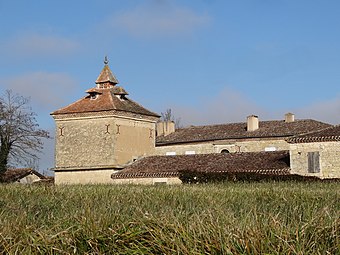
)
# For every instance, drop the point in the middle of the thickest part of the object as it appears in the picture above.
(325, 135)
(106, 96)
(106, 76)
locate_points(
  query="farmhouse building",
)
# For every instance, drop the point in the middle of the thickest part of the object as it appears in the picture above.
(250, 147)
(105, 137)
(101, 132)
(250, 136)
(316, 153)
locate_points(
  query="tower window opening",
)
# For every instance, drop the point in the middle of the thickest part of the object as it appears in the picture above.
(121, 97)
(225, 151)
(93, 96)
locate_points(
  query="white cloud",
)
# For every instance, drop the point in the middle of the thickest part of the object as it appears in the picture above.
(46, 90)
(327, 111)
(37, 45)
(228, 106)
(232, 106)
(161, 19)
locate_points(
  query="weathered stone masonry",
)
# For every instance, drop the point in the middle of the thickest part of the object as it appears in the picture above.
(316, 153)
(329, 158)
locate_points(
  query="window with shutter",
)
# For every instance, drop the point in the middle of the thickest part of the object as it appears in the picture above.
(313, 162)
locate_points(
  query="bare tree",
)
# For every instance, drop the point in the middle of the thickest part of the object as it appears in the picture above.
(169, 116)
(20, 135)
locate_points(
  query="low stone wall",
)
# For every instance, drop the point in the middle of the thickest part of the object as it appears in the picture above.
(84, 177)
(149, 181)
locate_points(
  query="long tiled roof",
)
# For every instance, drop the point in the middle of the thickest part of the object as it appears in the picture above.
(107, 99)
(326, 135)
(169, 166)
(278, 128)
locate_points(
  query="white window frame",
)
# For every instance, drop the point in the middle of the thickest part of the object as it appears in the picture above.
(170, 153)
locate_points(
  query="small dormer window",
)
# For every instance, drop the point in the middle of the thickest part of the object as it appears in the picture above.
(93, 96)
(121, 97)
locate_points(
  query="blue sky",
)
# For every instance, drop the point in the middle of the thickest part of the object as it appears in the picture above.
(211, 61)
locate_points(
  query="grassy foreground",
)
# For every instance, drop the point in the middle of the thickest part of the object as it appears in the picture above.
(230, 218)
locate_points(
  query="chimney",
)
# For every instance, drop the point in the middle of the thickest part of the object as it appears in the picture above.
(165, 128)
(252, 123)
(289, 117)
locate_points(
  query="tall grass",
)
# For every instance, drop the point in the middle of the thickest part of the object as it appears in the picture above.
(230, 218)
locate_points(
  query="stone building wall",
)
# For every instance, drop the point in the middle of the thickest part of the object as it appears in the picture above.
(101, 141)
(84, 142)
(240, 145)
(29, 179)
(181, 149)
(133, 139)
(329, 158)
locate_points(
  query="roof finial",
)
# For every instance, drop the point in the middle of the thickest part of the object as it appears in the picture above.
(106, 61)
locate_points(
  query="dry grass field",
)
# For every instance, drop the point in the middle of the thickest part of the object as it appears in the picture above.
(228, 218)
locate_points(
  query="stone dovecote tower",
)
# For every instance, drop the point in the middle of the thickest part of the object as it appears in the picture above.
(101, 132)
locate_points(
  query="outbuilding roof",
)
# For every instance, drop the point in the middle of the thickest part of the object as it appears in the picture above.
(168, 166)
(13, 175)
(276, 128)
(325, 135)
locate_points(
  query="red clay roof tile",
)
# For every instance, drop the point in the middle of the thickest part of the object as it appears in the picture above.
(106, 76)
(163, 166)
(329, 134)
(278, 128)
(13, 175)
(105, 100)
(105, 97)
